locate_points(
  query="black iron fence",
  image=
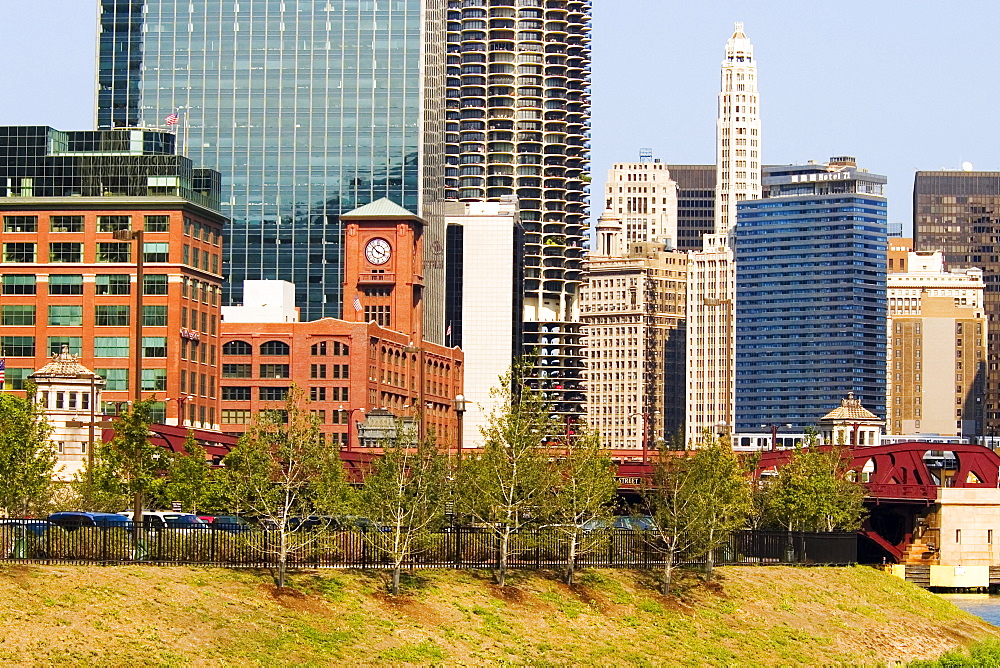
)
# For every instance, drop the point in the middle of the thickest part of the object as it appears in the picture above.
(459, 547)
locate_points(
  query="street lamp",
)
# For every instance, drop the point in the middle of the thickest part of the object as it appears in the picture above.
(459, 412)
(774, 432)
(645, 431)
(181, 400)
(350, 421)
(136, 236)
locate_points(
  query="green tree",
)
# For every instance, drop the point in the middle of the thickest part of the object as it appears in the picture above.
(189, 477)
(404, 496)
(697, 500)
(129, 465)
(281, 472)
(27, 458)
(814, 492)
(504, 485)
(580, 503)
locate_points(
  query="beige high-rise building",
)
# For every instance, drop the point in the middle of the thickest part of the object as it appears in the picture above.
(937, 348)
(737, 157)
(644, 197)
(633, 314)
(711, 349)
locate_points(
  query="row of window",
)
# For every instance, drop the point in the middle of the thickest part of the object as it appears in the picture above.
(244, 393)
(115, 380)
(339, 371)
(71, 315)
(76, 223)
(107, 252)
(104, 346)
(276, 348)
(72, 284)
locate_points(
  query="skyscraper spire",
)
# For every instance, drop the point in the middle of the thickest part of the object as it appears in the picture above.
(737, 156)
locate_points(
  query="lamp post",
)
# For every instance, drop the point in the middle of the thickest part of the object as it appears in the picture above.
(181, 400)
(645, 431)
(459, 412)
(774, 433)
(350, 421)
(136, 236)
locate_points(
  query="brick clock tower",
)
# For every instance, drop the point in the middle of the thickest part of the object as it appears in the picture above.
(383, 257)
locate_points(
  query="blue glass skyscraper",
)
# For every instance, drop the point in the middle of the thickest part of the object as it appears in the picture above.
(811, 294)
(308, 108)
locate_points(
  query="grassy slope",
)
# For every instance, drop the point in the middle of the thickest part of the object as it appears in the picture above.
(177, 616)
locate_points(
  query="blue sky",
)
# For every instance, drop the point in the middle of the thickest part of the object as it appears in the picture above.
(900, 85)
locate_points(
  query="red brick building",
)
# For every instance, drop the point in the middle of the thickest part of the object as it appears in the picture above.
(374, 358)
(65, 280)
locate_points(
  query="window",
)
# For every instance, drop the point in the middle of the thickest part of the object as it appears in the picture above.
(341, 371)
(113, 223)
(317, 371)
(318, 349)
(154, 284)
(186, 255)
(20, 223)
(15, 378)
(114, 284)
(156, 224)
(111, 315)
(113, 251)
(154, 379)
(158, 412)
(14, 284)
(156, 252)
(111, 346)
(237, 371)
(273, 393)
(341, 348)
(339, 394)
(237, 348)
(237, 393)
(66, 224)
(12, 315)
(115, 380)
(66, 284)
(274, 371)
(320, 416)
(19, 252)
(380, 315)
(66, 252)
(274, 348)
(235, 416)
(68, 315)
(154, 316)
(154, 346)
(317, 393)
(73, 343)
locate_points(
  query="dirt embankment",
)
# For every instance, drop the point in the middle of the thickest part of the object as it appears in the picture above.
(184, 616)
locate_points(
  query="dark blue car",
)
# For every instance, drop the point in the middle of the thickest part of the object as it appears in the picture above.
(76, 520)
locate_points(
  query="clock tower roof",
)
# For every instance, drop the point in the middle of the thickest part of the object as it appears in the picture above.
(383, 208)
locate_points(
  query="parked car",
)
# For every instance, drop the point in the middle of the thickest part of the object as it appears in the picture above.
(36, 527)
(630, 522)
(161, 519)
(73, 520)
(230, 524)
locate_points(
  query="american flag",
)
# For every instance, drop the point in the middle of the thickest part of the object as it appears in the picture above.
(173, 119)
(448, 332)
(357, 303)
(3, 369)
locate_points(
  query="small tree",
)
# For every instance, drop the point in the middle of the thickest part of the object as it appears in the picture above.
(697, 500)
(504, 485)
(282, 472)
(129, 465)
(404, 496)
(27, 458)
(814, 492)
(189, 476)
(580, 505)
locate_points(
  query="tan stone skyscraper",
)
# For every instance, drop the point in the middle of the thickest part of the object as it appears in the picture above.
(737, 153)
(644, 197)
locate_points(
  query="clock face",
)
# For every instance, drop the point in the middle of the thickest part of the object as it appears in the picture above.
(378, 251)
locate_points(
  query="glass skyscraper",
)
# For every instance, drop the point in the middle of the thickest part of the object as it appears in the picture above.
(811, 294)
(308, 108)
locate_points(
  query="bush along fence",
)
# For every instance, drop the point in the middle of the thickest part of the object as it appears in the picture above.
(458, 547)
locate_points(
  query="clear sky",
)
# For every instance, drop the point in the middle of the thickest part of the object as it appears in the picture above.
(900, 84)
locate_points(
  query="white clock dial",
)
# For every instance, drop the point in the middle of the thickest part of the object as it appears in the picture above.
(378, 251)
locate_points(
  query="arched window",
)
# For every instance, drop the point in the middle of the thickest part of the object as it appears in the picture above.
(319, 348)
(274, 348)
(237, 348)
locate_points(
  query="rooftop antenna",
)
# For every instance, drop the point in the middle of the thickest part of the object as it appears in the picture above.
(645, 155)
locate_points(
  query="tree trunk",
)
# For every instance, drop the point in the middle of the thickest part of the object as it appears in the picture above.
(709, 564)
(395, 579)
(502, 566)
(668, 573)
(571, 560)
(282, 556)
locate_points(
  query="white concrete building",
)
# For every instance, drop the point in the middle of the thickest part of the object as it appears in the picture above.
(644, 197)
(737, 132)
(483, 302)
(711, 334)
(264, 301)
(69, 395)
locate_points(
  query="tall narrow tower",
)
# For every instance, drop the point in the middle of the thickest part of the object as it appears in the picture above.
(737, 153)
